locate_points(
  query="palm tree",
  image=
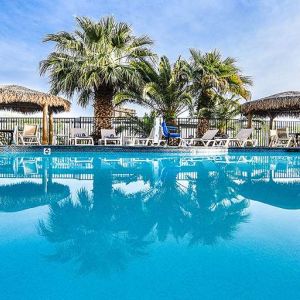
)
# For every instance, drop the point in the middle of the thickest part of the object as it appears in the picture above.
(212, 77)
(138, 126)
(94, 62)
(164, 90)
(224, 109)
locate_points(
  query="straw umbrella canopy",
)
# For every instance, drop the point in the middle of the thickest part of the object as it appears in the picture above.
(286, 104)
(21, 99)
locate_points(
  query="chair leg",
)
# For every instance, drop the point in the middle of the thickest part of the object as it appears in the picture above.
(227, 143)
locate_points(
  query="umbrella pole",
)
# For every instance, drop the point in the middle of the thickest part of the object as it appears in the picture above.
(271, 122)
(249, 121)
(45, 126)
(51, 125)
(45, 177)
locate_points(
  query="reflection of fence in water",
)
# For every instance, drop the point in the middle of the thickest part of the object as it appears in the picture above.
(290, 173)
(73, 176)
(267, 167)
(187, 176)
(255, 167)
(53, 176)
(71, 163)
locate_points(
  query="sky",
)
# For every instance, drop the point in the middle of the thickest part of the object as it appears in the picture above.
(263, 35)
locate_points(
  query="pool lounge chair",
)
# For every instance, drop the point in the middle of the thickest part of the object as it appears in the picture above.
(154, 138)
(208, 139)
(242, 139)
(109, 137)
(29, 135)
(170, 132)
(80, 137)
(151, 140)
(282, 138)
(272, 137)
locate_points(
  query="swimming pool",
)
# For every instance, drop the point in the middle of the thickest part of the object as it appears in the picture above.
(150, 226)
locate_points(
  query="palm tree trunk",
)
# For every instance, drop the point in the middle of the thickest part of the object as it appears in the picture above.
(204, 102)
(202, 126)
(103, 111)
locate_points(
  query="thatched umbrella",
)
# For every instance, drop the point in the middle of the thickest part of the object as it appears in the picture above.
(25, 195)
(283, 104)
(20, 99)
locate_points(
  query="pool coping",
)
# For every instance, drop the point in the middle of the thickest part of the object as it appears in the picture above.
(96, 148)
(265, 149)
(170, 149)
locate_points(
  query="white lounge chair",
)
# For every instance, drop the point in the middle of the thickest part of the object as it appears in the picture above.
(15, 136)
(273, 137)
(282, 138)
(80, 137)
(144, 141)
(109, 137)
(242, 139)
(152, 139)
(208, 139)
(29, 135)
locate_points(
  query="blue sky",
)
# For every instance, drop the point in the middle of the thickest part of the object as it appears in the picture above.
(262, 35)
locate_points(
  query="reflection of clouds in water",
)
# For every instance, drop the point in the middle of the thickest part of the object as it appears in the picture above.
(132, 187)
(75, 185)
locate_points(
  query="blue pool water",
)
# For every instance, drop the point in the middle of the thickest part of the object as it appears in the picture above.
(150, 226)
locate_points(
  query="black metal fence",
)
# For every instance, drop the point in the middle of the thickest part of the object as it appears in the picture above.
(187, 126)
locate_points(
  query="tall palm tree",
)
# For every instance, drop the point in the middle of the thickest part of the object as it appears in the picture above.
(213, 76)
(164, 90)
(94, 62)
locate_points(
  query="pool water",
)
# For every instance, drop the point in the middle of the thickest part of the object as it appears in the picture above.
(150, 226)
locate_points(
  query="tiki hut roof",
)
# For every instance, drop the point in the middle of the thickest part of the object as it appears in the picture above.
(282, 104)
(21, 99)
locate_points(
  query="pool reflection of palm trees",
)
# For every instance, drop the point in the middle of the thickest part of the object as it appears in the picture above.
(202, 207)
(218, 208)
(104, 230)
(98, 242)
